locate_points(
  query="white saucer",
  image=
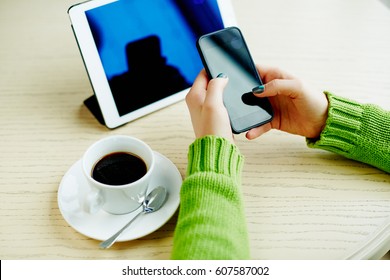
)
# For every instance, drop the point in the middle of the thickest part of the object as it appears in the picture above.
(102, 225)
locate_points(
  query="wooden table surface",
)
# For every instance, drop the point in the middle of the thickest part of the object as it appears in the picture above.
(300, 203)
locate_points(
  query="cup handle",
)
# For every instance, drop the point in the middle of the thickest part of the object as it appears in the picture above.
(93, 202)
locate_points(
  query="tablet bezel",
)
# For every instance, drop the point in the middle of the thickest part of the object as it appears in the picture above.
(97, 75)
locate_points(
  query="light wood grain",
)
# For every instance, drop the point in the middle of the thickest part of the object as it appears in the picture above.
(300, 203)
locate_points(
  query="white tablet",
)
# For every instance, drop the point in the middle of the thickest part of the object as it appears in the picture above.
(141, 55)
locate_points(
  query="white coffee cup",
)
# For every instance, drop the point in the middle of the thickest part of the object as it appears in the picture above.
(116, 199)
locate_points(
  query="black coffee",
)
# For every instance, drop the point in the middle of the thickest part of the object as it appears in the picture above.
(119, 168)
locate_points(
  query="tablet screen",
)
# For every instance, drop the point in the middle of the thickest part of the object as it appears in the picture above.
(148, 48)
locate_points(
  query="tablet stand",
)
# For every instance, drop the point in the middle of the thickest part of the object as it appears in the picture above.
(93, 106)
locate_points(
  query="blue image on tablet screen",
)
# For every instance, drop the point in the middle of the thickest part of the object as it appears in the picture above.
(148, 48)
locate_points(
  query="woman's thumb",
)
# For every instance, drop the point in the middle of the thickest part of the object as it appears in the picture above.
(215, 89)
(275, 87)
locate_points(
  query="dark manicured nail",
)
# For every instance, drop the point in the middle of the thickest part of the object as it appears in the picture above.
(222, 75)
(258, 89)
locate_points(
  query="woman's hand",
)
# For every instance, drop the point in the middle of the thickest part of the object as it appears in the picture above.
(297, 108)
(205, 103)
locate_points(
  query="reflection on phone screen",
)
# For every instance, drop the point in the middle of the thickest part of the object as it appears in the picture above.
(229, 54)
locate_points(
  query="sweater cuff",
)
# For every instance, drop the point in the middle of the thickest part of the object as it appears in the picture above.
(344, 120)
(215, 154)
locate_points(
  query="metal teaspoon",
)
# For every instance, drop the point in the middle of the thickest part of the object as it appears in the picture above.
(153, 202)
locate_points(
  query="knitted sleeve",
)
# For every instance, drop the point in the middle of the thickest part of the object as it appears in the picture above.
(211, 222)
(357, 131)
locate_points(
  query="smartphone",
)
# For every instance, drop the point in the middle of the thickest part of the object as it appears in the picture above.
(225, 51)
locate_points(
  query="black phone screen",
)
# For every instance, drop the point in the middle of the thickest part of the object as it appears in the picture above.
(225, 51)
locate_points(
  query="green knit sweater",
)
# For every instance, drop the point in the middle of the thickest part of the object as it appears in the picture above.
(356, 131)
(211, 222)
